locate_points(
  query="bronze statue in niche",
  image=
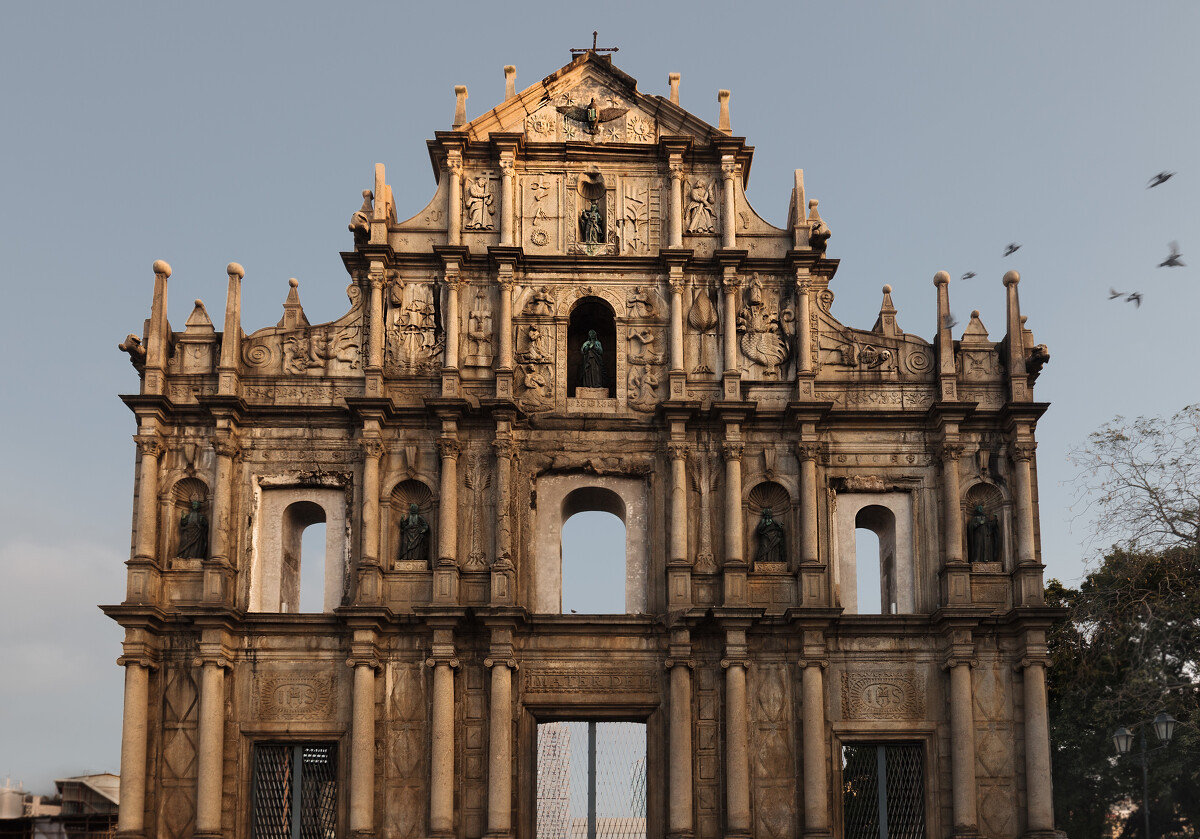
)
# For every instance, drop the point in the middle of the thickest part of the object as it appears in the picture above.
(591, 226)
(983, 537)
(771, 539)
(591, 373)
(193, 533)
(414, 536)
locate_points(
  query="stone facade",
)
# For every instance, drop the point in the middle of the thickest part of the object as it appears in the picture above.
(446, 426)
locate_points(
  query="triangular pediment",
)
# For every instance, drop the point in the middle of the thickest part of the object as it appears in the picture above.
(589, 101)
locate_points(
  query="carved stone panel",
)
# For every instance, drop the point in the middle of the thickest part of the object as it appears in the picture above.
(295, 696)
(883, 695)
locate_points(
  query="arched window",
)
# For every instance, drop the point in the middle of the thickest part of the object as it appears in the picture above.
(881, 559)
(592, 314)
(593, 552)
(875, 534)
(618, 552)
(293, 568)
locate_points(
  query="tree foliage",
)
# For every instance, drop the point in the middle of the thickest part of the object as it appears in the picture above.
(1130, 646)
(1141, 480)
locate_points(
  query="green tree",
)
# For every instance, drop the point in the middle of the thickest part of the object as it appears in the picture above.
(1130, 646)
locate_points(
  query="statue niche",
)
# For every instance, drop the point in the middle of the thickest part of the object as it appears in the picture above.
(412, 513)
(983, 504)
(189, 505)
(592, 358)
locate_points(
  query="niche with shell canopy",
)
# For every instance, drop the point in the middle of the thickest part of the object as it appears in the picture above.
(187, 540)
(771, 545)
(404, 495)
(995, 511)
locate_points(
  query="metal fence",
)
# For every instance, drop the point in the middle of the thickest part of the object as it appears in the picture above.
(591, 780)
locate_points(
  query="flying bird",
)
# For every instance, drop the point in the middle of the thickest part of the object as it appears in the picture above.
(1159, 179)
(1136, 297)
(1113, 294)
(1173, 260)
(949, 321)
(968, 275)
(1012, 248)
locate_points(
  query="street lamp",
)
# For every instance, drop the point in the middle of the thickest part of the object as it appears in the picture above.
(1164, 727)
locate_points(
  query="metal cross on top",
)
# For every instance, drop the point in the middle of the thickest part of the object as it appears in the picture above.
(593, 48)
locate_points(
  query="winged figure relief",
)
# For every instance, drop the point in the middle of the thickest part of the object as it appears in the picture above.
(591, 116)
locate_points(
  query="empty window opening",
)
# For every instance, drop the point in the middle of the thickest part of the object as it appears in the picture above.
(301, 550)
(591, 780)
(883, 790)
(591, 314)
(294, 793)
(298, 579)
(875, 560)
(312, 568)
(594, 567)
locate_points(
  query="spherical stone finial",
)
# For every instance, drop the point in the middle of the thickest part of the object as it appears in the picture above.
(199, 302)
(975, 314)
(941, 278)
(1012, 278)
(235, 270)
(293, 282)
(161, 267)
(887, 289)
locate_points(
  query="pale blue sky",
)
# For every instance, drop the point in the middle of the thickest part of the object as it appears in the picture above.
(933, 134)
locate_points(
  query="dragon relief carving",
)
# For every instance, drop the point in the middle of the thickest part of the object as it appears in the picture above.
(761, 329)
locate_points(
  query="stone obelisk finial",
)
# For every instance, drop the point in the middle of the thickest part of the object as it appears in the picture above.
(510, 81)
(460, 106)
(673, 80)
(723, 119)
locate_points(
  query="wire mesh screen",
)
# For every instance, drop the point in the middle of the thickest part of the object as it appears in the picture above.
(591, 780)
(272, 792)
(318, 793)
(278, 797)
(883, 791)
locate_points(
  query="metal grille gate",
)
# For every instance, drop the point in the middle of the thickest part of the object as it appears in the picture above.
(591, 780)
(295, 779)
(883, 790)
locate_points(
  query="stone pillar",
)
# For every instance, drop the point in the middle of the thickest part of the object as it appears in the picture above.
(951, 452)
(502, 592)
(441, 758)
(446, 574)
(962, 745)
(676, 283)
(677, 548)
(737, 741)
(729, 204)
(450, 316)
(1022, 456)
(804, 359)
(1039, 798)
(679, 817)
(219, 566)
(156, 336)
(210, 746)
(375, 349)
(675, 231)
(372, 452)
(131, 817)
(500, 753)
(1018, 379)
(231, 337)
(506, 322)
(506, 199)
(815, 767)
(807, 453)
(362, 745)
(150, 448)
(732, 451)
(730, 282)
(454, 168)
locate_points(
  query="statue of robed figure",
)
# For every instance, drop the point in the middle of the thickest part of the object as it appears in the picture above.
(591, 374)
(983, 537)
(414, 536)
(193, 534)
(771, 539)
